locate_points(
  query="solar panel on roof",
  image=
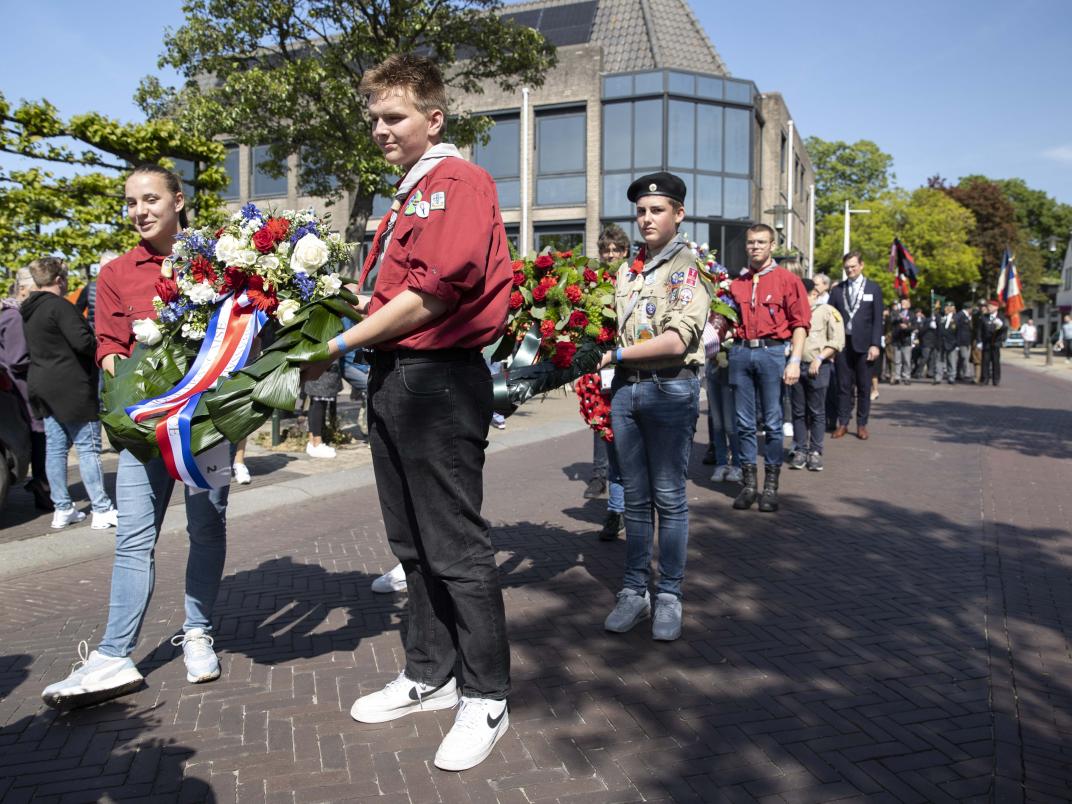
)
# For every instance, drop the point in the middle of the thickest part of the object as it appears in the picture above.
(561, 25)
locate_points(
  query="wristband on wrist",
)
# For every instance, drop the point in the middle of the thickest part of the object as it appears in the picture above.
(340, 344)
(795, 360)
(618, 355)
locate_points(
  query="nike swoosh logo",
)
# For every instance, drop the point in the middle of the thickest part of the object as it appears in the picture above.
(493, 723)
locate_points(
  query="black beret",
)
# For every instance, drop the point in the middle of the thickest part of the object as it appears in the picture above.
(661, 183)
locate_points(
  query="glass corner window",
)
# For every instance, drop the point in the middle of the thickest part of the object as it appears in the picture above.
(230, 166)
(265, 185)
(617, 86)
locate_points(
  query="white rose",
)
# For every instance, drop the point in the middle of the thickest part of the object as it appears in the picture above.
(309, 254)
(286, 310)
(227, 248)
(146, 331)
(202, 293)
(246, 257)
(331, 284)
(268, 262)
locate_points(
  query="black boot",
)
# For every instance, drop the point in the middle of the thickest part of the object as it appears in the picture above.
(748, 493)
(612, 526)
(768, 499)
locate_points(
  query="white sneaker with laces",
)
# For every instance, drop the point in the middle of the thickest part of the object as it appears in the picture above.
(787, 429)
(241, 474)
(108, 519)
(61, 519)
(720, 473)
(403, 697)
(93, 679)
(321, 450)
(479, 724)
(200, 658)
(394, 580)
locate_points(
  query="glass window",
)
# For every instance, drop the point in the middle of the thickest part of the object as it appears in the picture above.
(308, 166)
(617, 142)
(681, 134)
(738, 92)
(615, 203)
(737, 202)
(381, 204)
(734, 254)
(513, 236)
(560, 191)
(738, 126)
(501, 158)
(647, 83)
(617, 86)
(681, 83)
(708, 137)
(707, 87)
(560, 159)
(264, 185)
(561, 238)
(230, 165)
(187, 172)
(709, 196)
(648, 134)
(697, 231)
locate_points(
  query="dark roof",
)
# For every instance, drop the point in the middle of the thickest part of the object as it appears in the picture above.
(634, 34)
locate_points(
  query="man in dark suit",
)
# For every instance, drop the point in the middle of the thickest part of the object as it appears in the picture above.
(859, 300)
(947, 340)
(990, 334)
(965, 337)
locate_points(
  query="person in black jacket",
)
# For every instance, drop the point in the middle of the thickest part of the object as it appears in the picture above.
(965, 337)
(989, 337)
(947, 343)
(63, 392)
(930, 349)
(859, 301)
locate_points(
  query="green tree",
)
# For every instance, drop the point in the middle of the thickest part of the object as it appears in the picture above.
(286, 73)
(67, 199)
(932, 226)
(843, 172)
(995, 224)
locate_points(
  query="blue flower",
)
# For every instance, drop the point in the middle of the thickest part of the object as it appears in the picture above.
(250, 211)
(305, 285)
(302, 231)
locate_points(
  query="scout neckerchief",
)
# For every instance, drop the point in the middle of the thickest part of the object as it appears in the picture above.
(639, 277)
(431, 159)
(755, 280)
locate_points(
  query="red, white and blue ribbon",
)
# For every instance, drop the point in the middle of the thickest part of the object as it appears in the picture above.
(225, 349)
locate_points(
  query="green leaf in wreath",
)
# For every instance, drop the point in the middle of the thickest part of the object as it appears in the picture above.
(279, 389)
(322, 325)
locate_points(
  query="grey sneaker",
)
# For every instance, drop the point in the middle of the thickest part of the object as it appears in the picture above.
(815, 462)
(666, 624)
(630, 609)
(797, 459)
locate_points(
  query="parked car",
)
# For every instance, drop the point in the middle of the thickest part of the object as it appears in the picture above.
(1014, 338)
(14, 437)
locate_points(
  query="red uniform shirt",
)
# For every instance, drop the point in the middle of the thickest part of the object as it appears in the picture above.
(449, 242)
(781, 305)
(125, 290)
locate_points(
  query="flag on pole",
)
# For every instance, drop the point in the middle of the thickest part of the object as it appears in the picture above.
(903, 268)
(1009, 290)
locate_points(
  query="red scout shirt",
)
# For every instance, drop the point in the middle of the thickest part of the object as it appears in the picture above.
(125, 290)
(449, 242)
(781, 305)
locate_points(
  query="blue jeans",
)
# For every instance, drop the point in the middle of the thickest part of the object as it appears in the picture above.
(85, 436)
(143, 491)
(722, 415)
(615, 489)
(756, 379)
(654, 423)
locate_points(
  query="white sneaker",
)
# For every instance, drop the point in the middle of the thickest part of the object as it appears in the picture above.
(109, 519)
(733, 474)
(94, 678)
(720, 473)
(200, 658)
(787, 429)
(241, 474)
(61, 519)
(403, 697)
(479, 724)
(321, 450)
(394, 580)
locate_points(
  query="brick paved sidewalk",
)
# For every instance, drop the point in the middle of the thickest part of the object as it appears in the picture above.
(897, 633)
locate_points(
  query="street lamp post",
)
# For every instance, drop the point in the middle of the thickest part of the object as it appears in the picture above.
(848, 225)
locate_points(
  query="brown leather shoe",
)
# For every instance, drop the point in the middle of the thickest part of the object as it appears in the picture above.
(861, 432)
(840, 432)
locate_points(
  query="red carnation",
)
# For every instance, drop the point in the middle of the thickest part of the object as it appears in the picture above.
(563, 356)
(278, 227)
(539, 293)
(201, 270)
(167, 290)
(544, 261)
(261, 295)
(547, 328)
(516, 300)
(573, 293)
(578, 319)
(606, 335)
(519, 278)
(591, 276)
(518, 265)
(263, 240)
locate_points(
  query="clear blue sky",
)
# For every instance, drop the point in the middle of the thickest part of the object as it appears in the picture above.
(945, 86)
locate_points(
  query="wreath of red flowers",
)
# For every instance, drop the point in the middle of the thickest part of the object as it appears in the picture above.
(595, 409)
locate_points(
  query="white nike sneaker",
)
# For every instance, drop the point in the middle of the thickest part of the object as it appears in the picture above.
(394, 580)
(200, 658)
(403, 697)
(241, 474)
(93, 679)
(61, 519)
(479, 724)
(108, 519)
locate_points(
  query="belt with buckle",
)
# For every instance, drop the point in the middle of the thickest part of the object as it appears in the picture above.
(389, 358)
(758, 343)
(651, 375)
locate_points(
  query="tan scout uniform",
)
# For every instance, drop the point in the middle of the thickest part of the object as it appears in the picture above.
(667, 295)
(827, 329)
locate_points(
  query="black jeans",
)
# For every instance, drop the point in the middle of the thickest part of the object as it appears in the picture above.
(428, 422)
(991, 365)
(853, 373)
(809, 409)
